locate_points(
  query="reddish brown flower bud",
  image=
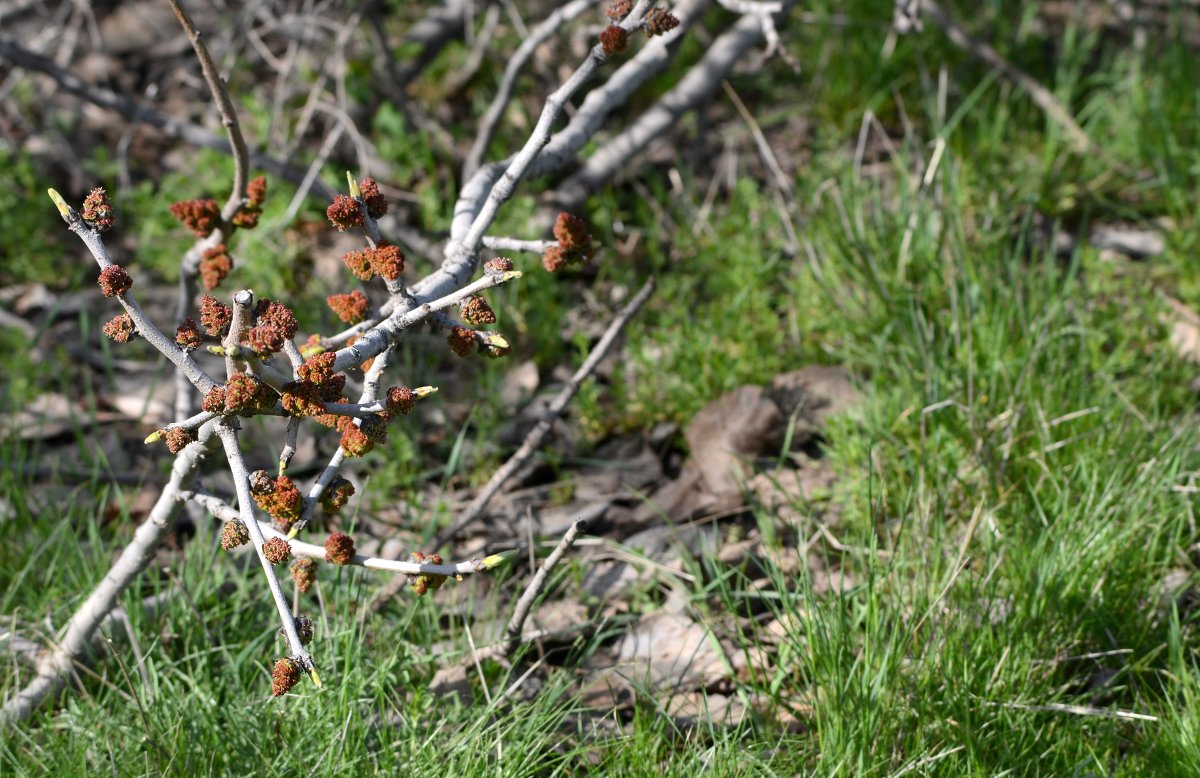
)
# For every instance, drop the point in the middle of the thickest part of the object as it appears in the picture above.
(555, 259)
(266, 397)
(304, 572)
(177, 438)
(199, 216)
(284, 676)
(187, 335)
(281, 499)
(319, 368)
(98, 211)
(425, 582)
(269, 312)
(241, 393)
(215, 266)
(659, 21)
(476, 311)
(215, 316)
(343, 213)
(613, 40)
(302, 398)
(247, 217)
(350, 308)
(497, 266)
(256, 190)
(336, 495)
(265, 339)
(400, 400)
(462, 341)
(359, 263)
(377, 204)
(619, 10)
(233, 535)
(571, 232)
(492, 350)
(114, 281)
(387, 260)
(214, 400)
(339, 549)
(119, 328)
(277, 551)
(355, 442)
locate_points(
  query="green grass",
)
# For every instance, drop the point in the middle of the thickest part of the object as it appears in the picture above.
(1006, 505)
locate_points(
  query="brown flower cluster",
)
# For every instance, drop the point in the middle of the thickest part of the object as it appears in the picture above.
(613, 39)
(114, 281)
(248, 215)
(425, 582)
(400, 400)
(344, 213)
(385, 260)
(98, 211)
(355, 442)
(318, 368)
(119, 328)
(339, 549)
(659, 21)
(242, 393)
(304, 573)
(177, 439)
(574, 244)
(233, 535)
(284, 676)
(336, 495)
(264, 340)
(619, 10)
(187, 335)
(350, 308)
(476, 311)
(304, 630)
(277, 551)
(377, 204)
(215, 316)
(214, 400)
(462, 341)
(498, 266)
(267, 312)
(280, 498)
(199, 216)
(215, 266)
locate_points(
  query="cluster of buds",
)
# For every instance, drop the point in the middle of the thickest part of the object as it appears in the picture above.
(344, 213)
(619, 10)
(177, 439)
(98, 211)
(199, 216)
(574, 243)
(215, 266)
(385, 260)
(498, 266)
(613, 39)
(336, 495)
(119, 328)
(284, 676)
(187, 335)
(114, 281)
(304, 573)
(425, 582)
(350, 308)
(339, 549)
(274, 324)
(476, 311)
(215, 316)
(277, 551)
(248, 215)
(245, 394)
(659, 21)
(280, 498)
(377, 204)
(234, 534)
(304, 630)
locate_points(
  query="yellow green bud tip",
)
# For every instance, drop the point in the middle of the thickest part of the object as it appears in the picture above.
(292, 533)
(153, 437)
(316, 679)
(497, 340)
(424, 391)
(511, 275)
(495, 560)
(63, 208)
(218, 350)
(354, 190)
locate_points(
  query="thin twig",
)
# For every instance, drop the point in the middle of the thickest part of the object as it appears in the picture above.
(525, 604)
